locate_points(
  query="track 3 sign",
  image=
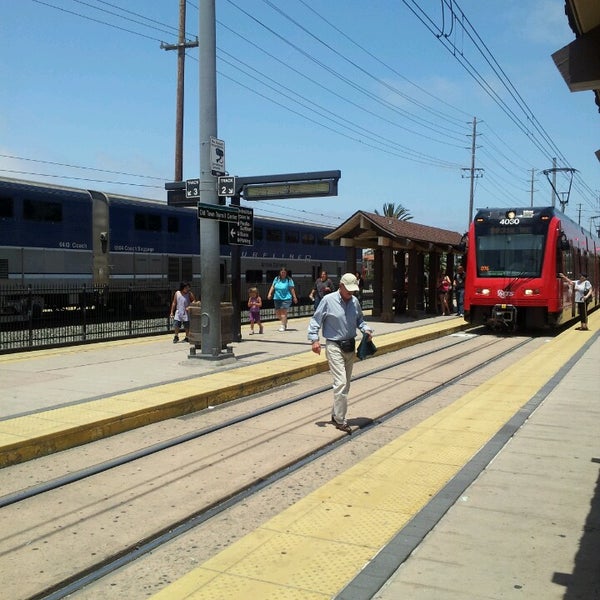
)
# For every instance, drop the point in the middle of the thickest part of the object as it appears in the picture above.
(192, 188)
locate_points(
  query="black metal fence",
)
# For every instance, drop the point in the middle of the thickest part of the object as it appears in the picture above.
(38, 317)
(46, 316)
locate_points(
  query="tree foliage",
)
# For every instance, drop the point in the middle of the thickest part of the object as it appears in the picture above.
(396, 211)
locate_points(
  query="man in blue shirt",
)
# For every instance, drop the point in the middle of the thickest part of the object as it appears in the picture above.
(339, 315)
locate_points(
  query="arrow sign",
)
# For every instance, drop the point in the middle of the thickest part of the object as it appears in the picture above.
(226, 186)
(192, 188)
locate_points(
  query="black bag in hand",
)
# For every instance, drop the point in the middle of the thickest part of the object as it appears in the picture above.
(366, 348)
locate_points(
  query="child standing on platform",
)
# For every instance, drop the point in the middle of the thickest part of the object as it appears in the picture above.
(255, 304)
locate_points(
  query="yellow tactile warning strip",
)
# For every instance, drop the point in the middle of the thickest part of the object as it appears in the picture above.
(314, 548)
(31, 436)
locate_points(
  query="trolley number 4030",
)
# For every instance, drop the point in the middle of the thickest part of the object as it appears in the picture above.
(509, 221)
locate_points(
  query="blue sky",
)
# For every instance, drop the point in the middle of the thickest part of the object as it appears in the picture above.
(363, 87)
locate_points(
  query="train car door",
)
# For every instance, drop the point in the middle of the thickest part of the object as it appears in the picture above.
(100, 238)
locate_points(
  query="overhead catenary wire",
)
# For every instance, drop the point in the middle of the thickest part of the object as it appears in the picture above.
(462, 26)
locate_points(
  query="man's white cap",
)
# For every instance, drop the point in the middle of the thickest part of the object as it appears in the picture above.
(350, 282)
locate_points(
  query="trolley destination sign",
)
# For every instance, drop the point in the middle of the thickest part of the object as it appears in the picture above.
(240, 221)
(218, 213)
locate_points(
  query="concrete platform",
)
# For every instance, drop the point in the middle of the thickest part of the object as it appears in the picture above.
(57, 399)
(514, 464)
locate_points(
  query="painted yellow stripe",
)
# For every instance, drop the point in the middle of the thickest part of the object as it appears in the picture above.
(31, 436)
(314, 548)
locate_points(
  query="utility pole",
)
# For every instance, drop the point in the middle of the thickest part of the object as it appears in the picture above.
(532, 176)
(180, 47)
(554, 192)
(473, 171)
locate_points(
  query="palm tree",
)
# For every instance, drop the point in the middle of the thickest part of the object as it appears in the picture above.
(396, 211)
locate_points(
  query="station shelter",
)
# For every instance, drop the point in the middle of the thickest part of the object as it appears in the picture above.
(407, 259)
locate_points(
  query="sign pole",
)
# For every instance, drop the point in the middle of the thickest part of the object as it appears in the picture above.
(209, 229)
(236, 293)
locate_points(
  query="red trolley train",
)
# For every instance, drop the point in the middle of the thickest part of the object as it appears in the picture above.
(513, 260)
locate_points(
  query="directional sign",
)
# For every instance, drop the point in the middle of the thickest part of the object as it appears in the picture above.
(242, 232)
(226, 186)
(218, 213)
(217, 156)
(192, 188)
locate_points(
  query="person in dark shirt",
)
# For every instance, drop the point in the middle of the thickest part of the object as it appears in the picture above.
(459, 286)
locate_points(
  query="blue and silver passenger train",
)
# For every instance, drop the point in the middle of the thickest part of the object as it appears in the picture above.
(52, 235)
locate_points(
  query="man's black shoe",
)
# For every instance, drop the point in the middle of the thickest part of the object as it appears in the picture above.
(343, 427)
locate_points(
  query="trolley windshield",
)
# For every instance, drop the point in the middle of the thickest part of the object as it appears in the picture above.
(510, 251)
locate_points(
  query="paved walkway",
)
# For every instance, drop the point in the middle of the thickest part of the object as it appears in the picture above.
(529, 525)
(513, 465)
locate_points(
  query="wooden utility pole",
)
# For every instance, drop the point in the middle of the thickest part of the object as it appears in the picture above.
(181, 48)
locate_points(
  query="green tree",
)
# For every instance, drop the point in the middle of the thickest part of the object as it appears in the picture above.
(396, 211)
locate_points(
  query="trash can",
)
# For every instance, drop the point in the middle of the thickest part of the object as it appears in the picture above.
(195, 334)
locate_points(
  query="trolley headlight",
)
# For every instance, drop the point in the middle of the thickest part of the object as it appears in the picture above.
(483, 291)
(529, 292)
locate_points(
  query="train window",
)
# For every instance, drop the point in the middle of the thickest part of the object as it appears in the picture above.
(41, 210)
(172, 224)
(273, 235)
(292, 237)
(254, 276)
(147, 222)
(510, 255)
(308, 238)
(6, 207)
(322, 242)
(258, 234)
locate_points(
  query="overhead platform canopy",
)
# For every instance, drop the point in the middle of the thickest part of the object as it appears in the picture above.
(401, 274)
(369, 230)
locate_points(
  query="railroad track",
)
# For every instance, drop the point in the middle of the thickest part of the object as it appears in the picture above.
(81, 525)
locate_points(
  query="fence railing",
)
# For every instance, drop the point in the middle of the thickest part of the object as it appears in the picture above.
(38, 317)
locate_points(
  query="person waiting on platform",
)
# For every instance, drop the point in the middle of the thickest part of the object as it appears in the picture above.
(339, 315)
(283, 293)
(459, 286)
(443, 289)
(361, 286)
(583, 293)
(322, 286)
(182, 299)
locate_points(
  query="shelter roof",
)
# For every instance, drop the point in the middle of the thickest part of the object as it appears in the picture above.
(370, 230)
